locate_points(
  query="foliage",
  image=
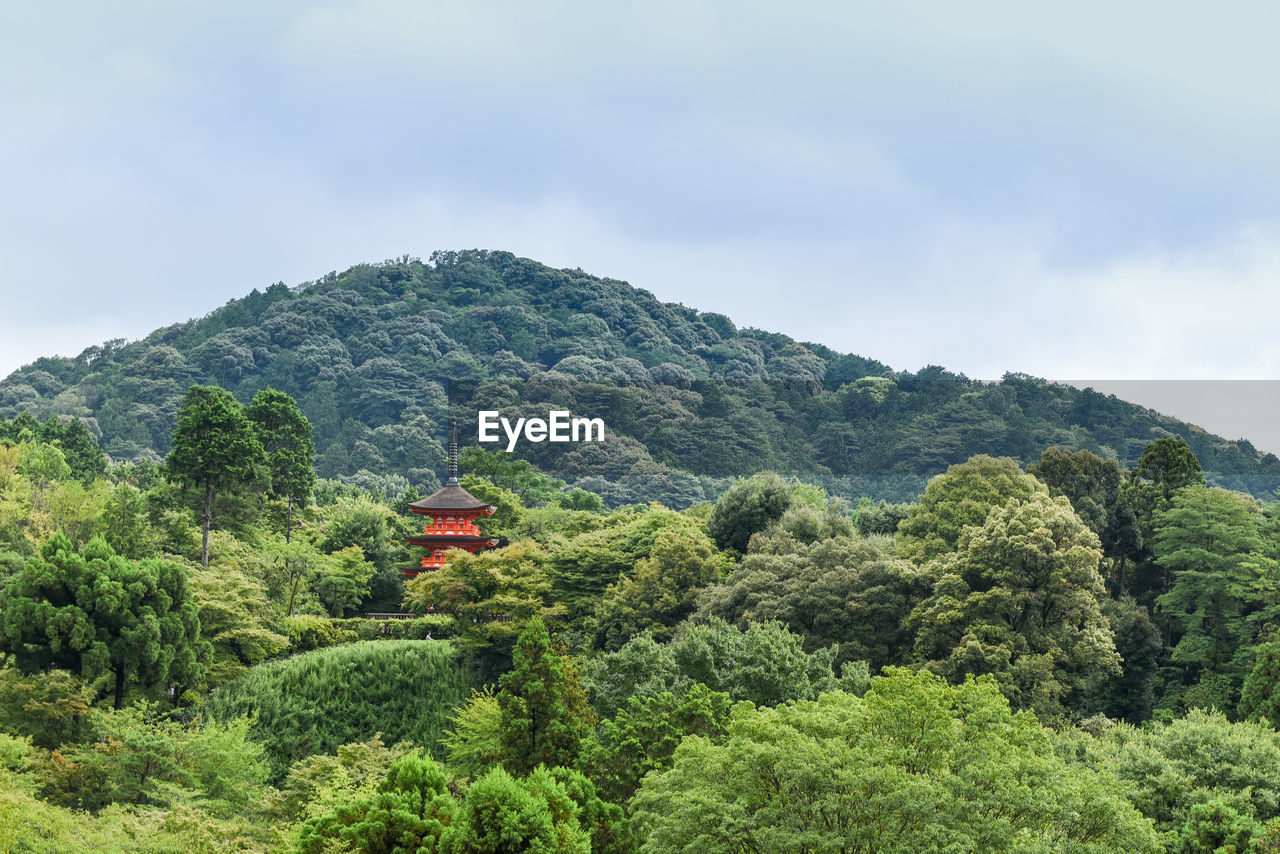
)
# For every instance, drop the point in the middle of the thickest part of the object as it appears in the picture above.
(1172, 771)
(407, 813)
(491, 596)
(841, 591)
(236, 618)
(748, 506)
(504, 814)
(475, 743)
(285, 434)
(660, 592)
(52, 707)
(544, 710)
(645, 733)
(1021, 600)
(1208, 542)
(583, 566)
(915, 765)
(146, 757)
(403, 689)
(962, 498)
(93, 612)
(214, 448)
(1090, 483)
(764, 664)
(690, 400)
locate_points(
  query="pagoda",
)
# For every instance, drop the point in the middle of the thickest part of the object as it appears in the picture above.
(452, 512)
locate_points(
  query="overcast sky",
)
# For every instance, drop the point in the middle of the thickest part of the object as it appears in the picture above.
(987, 186)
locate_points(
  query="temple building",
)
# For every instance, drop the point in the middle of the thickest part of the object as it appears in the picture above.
(452, 512)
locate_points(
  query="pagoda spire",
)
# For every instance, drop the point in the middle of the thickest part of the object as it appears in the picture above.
(453, 453)
(452, 512)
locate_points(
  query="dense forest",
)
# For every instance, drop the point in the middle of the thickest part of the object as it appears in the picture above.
(375, 356)
(1064, 639)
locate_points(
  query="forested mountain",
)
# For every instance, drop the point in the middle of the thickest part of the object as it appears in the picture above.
(1040, 651)
(375, 355)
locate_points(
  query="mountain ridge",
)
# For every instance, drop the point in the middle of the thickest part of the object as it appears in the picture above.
(378, 354)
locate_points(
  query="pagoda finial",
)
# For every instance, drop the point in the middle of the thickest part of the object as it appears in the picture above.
(453, 451)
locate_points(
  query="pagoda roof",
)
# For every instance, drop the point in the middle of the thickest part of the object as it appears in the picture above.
(439, 540)
(451, 496)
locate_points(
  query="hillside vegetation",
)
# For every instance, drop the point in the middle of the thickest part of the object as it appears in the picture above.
(1065, 652)
(374, 356)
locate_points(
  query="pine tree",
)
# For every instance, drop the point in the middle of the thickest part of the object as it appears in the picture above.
(285, 434)
(214, 448)
(545, 714)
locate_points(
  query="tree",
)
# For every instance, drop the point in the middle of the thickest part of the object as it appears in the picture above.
(492, 596)
(545, 715)
(408, 812)
(1260, 696)
(82, 453)
(763, 664)
(1021, 600)
(915, 765)
(644, 735)
(502, 814)
(748, 506)
(583, 566)
(94, 612)
(960, 498)
(660, 592)
(1172, 770)
(285, 434)
(342, 579)
(1169, 465)
(1208, 542)
(1090, 483)
(475, 742)
(215, 448)
(842, 591)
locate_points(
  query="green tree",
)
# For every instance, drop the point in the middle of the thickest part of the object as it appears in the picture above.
(545, 715)
(215, 448)
(645, 733)
(285, 434)
(1090, 483)
(1260, 696)
(475, 741)
(841, 590)
(94, 612)
(42, 465)
(1172, 770)
(502, 814)
(1166, 466)
(1021, 600)
(764, 664)
(492, 596)
(407, 814)
(1208, 542)
(508, 472)
(584, 565)
(660, 592)
(51, 707)
(750, 505)
(915, 765)
(342, 580)
(321, 700)
(960, 498)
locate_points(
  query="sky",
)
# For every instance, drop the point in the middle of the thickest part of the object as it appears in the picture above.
(1086, 192)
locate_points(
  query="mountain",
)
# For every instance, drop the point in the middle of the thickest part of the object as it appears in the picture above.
(377, 356)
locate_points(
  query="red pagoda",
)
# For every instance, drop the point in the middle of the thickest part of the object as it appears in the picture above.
(452, 511)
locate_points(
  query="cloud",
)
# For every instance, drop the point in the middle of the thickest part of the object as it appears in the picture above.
(1002, 189)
